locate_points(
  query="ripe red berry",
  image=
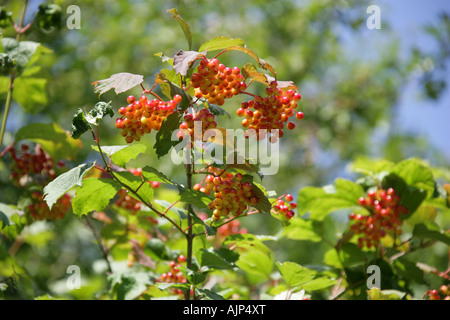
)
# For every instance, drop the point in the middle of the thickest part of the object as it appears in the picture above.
(291, 125)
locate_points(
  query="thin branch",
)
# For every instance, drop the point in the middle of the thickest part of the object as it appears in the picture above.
(97, 236)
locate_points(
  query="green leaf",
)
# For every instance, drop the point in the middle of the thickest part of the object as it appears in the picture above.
(79, 124)
(5, 17)
(101, 110)
(21, 52)
(164, 58)
(158, 249)
(121, 155)
(66, 181)
(209, 294)
(320, 202)
(6, 212)
(196, 198)
(263, 205)
(218, 111)
(120, 82)
(181, 213)
(431, 230)
(249, 71)
(262, 63)
(254, 257)
(301, 229)
(151, 174)
(294, 274)
(134, 182)
(164, 136)
(370, 166)
(129, 286)
(193, 277)
(415, 174)
(169, 82)
(377, 294)
(6, 67)
(31, 93)
(16, 223)
(410, 197)
(212, 258)
(426, 212)
(220, 43)
(183, 24)
(318, 284)
(210, 231)
(94, 195)
(409, 270)
(53, 139)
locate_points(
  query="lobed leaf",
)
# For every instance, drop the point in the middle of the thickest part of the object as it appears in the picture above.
(220, 43)
(66, 181)
(183, 24)
(120, 82)
(94, 195)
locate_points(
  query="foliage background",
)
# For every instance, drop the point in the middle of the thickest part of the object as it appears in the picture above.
(379, 93)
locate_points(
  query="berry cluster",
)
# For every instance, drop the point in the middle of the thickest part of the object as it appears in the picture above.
(384, 217)
(128, 202)
(204, 119)
(174, 275)
(140, 117)
(37, 166)
(232, 196)
(232, 227)
(40, 211)
(285, 207)
(444, 290)
(271, 112)
(215, 82)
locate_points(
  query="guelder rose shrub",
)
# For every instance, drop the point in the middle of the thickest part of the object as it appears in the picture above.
(162, 237)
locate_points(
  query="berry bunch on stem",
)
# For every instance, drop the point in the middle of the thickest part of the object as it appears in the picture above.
(174, 275)
(444, 292)
(230, 228)
(261, 115)
(231, 195)
(285, 207)
(35, 165)
(215, 82)
(142, 116)
(37, 168)
(205, 121)
(39, 210)
(385, 217)
(128, 202)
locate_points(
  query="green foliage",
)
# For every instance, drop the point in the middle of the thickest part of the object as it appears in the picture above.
(104, 190)
(144, 225)
(66, 181)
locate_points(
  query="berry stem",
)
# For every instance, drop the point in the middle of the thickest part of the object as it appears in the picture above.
(102, 248)
(250, 94)
(151, 92)
(19, 30)
(221, 52)
(189, 235)
(148, 204)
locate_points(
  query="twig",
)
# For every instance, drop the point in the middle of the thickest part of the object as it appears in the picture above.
(100, 243)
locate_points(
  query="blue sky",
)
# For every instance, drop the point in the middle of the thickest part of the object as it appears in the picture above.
(427, 118)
